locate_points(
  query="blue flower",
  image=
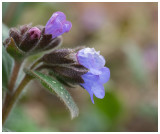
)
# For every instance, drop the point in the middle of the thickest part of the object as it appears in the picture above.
(97, 74)
(57, 25)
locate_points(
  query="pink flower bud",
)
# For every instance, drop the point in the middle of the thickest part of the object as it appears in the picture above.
(35, 33)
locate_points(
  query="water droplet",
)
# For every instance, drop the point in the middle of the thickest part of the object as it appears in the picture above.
(61, 87)
(68, 102)
(53, 81)
(61, 92)
(67, 97)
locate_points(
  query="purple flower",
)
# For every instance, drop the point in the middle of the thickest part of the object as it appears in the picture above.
(57, 25)
(97, 74)
(35, 33)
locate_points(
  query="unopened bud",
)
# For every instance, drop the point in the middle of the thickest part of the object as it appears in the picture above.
(70, 74)
(14, 33)
(35, 33)
(59, 56)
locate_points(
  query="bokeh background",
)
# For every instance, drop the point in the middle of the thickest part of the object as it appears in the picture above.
(126, 34)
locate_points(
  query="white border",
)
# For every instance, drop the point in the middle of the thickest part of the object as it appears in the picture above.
(1, 70)
(80, 1)
(74, 1)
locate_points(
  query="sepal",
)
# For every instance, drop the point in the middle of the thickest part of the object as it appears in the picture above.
(13, 50)
(58, 56)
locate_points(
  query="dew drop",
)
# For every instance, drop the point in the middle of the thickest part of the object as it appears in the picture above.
(67, 97)
(53, 81)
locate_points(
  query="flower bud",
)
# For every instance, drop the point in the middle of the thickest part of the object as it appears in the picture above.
(70, 74)
(54, 43)
(59, 56)
(14, 33)
(29, 40)
(57, 24)
(24, 28)
(35, 33)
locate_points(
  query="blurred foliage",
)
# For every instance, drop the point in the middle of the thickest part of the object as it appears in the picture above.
(149, 111)
(15, 124)
(136, 63)
(110, 106)
(5, 32)
(7, 61)
(92, 121)
(126, 34)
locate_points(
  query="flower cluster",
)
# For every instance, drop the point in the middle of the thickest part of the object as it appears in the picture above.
(27, 40)
(82, 66)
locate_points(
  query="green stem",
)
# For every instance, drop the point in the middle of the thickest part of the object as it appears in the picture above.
(14, 97)
(11, 84)
(35, 63)
(14, 75)
(11, 97)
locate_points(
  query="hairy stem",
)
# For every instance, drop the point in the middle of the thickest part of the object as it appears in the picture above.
(12, 82)
(35, 63)
(11, 96)
(14, 75)
(11, 101)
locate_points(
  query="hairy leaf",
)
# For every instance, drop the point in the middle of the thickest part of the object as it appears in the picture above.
(54, 86)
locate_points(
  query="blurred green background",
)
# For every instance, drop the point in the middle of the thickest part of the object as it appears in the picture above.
(126, 34)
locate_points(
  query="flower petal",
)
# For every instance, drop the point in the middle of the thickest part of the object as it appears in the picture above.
(85, 59)
(60, 16)
(85, 85)
(91, 59)
(57, 25)
(97, 74)
(99, 61)
(89, 79)
(105, 75)
(67, 26)
(98, 90)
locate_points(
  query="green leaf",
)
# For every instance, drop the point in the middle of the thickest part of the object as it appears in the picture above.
(7, 61)
(54, 86)
(14, 51)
